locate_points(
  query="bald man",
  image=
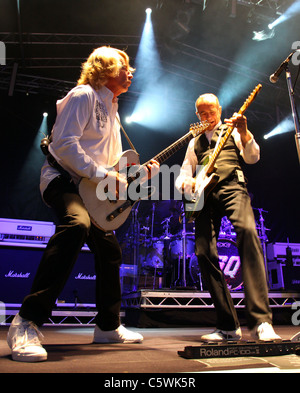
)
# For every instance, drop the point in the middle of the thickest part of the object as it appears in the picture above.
(228, 198)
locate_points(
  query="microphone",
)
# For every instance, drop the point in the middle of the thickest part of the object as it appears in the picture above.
(274, 77)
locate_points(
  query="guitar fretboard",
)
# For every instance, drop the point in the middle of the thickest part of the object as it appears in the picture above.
(169, 151)
(176, 146)
(212, 161)
(215, 155)
(195, 129)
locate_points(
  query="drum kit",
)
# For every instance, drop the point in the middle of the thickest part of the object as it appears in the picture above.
(162, 248)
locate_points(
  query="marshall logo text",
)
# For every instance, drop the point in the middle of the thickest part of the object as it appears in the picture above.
(13, 274)
(82, 276)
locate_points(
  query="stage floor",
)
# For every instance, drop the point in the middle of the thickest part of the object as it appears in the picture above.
(70, 350)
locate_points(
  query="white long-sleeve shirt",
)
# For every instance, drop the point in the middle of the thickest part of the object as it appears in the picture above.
(250, 154)
(86, 135)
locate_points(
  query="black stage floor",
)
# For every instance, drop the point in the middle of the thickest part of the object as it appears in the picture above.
(70, 350)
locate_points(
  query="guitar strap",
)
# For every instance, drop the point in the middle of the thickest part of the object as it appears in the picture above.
(126, 136)
(219, 139)
(51, 160)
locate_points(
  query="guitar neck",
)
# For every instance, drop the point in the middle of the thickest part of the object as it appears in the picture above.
(215, 155)
(172, 149)
(195, 130)
(212, 161)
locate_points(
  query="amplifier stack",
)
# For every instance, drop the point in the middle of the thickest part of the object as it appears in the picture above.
(22, 243)
(284, 266)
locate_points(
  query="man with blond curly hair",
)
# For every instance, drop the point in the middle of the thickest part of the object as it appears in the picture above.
(85, 140)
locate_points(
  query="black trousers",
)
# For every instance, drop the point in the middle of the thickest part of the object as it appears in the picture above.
(61, 254)
(231, 198)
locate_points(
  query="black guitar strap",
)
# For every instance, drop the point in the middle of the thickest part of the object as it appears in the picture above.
(51, 160)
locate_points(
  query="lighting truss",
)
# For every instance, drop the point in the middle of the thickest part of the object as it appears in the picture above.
(68, 39)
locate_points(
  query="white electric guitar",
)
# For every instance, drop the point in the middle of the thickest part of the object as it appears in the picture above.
(207, 179)
(108, 214)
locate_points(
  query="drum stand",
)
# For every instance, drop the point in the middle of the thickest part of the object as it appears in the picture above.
(264, 239)
(181, 282)
(135, 235)
(148, 243)
(151, 242)
(166, 227)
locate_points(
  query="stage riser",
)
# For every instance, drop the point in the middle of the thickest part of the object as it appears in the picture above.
(165, 318)
(163, 308)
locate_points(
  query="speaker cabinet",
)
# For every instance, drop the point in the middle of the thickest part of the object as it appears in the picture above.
(284, 277)
(18, 266)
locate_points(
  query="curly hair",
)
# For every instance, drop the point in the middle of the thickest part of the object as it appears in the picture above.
(103, 62)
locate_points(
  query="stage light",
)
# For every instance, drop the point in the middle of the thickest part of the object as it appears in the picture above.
(146, 77)
(242, 78)
(286, 125)
(148, 11)
(158, 95)
(263, 34)
(270, 26)
(43, 130)
(292, 11)
(136, 117)
(35, 158)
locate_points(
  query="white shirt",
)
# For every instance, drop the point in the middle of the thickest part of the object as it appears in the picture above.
(250, 154)
(86, 136)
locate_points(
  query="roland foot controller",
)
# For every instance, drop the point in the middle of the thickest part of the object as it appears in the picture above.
(242, 349)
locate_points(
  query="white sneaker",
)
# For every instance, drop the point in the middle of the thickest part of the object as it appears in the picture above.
(24, 340)
(264, 332)
(223, 335)
(119, 335)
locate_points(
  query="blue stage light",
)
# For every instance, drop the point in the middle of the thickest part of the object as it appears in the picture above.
(286, 125)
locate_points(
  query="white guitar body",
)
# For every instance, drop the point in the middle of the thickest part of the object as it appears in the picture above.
(204, 185)
(107, 214)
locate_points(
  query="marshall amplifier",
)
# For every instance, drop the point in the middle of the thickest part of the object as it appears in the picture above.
(284, 266)
(291, 277)
(287, 253)
(23, 232)
(22, 243)
(81, 284)
(18, 266)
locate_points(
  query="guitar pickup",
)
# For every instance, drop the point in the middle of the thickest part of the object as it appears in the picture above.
(118, 211)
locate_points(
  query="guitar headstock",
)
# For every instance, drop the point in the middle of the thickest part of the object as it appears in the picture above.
(199, 128)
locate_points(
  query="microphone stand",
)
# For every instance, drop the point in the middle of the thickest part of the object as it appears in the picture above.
(152, 221)
(136, 236)
(294, 110)
(184, 251)
(180, 283)
(264, 240)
